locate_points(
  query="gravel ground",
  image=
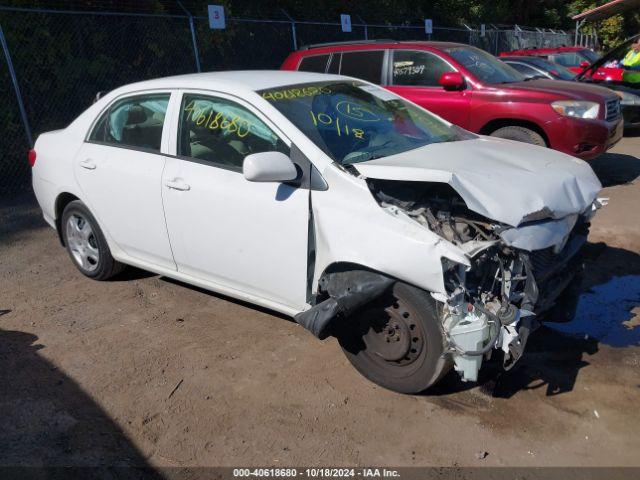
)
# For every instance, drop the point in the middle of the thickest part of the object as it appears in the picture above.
(143, 370)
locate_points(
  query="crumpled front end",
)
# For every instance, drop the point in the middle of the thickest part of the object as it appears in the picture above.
(516, 273)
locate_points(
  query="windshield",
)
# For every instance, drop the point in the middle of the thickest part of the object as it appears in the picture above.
(554, 69)
(485, 66)
(354, 122)
(590, 55)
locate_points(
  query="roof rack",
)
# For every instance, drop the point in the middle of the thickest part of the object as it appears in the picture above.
(350, 42)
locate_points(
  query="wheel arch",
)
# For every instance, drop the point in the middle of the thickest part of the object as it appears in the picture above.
(62, 200)
(497, 123)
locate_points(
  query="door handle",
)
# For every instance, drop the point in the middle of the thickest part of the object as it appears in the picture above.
(88, 164)
(177, 185)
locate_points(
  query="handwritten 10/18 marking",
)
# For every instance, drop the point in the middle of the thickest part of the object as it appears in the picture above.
(328, 120)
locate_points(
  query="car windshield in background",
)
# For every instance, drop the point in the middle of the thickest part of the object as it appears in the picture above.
(559, 71)
(485, 66)
(590, 55)
(354, 122)
(555, 69)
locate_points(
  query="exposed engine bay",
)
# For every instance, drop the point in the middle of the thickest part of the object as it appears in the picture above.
(498, 301)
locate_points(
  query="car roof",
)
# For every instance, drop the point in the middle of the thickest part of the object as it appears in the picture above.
(247, 80)
(523, 58)
(338, 46)
(542, 51)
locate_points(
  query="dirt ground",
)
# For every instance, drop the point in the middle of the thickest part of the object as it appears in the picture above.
(143, 370)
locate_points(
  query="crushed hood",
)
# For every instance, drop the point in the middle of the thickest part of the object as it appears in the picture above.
(503, 180)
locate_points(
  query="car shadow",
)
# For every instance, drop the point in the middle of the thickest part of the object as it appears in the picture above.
(48, 421)
(19, 214)
(227, 298)
(131, 273)
(556, 352)
(616, 168)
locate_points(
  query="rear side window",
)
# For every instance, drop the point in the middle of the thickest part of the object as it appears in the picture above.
(222, 133)
(133, 122)
(365, 65)
(412, 67)
(314, 63)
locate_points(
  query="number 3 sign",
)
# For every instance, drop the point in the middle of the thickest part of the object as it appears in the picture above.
(216, 17)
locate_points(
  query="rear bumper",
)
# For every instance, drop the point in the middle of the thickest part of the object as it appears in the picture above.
(585, 139)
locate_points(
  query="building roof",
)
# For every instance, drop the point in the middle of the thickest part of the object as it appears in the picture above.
(607, 10)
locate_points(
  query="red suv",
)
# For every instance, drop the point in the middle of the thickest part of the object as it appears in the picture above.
(473, 89)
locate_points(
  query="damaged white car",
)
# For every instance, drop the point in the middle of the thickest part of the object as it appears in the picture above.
(420, 246)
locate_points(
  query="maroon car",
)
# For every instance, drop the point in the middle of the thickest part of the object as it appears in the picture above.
(471, 88)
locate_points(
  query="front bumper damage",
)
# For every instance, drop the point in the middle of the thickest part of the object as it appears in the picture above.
(514, 278)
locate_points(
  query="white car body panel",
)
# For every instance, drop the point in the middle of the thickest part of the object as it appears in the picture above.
(249, 240)
(123, 188)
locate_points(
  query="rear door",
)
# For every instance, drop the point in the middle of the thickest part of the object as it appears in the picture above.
(365, 64)
(119, 169)
(414, 74)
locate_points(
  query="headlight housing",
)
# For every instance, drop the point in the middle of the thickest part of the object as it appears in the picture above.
(628, 98)
(577, 108)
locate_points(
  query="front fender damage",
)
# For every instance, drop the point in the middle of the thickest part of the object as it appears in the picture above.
(498, 280)
(347, 291)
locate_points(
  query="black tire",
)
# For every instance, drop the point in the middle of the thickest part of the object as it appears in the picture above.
(397, 341)
(94, 260)
(520, 134)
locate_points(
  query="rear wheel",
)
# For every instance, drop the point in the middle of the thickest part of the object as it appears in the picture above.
(397, 341)
(520, 134)
(86, 244)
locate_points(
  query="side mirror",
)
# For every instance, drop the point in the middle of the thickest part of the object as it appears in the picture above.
(584, 64)
(269, 167)
(452, 81)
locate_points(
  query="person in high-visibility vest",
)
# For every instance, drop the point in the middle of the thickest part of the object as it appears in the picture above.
(631, 60)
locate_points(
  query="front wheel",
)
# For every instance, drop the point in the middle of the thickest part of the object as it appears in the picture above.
(86, 244)
(520, 134)
(397, 341)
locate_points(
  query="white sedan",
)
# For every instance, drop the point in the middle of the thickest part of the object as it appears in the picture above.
(419, 245)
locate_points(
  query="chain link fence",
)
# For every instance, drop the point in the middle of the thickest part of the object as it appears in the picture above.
(63, 59)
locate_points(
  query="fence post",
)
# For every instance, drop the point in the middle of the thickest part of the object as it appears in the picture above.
(195, 43)
(293, 29)
(16, 88)
(366, 31)
(193, 36)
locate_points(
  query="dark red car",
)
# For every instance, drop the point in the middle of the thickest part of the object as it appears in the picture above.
(575, 59)
(474, 90)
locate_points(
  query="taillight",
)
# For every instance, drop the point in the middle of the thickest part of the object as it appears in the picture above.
(32, 157)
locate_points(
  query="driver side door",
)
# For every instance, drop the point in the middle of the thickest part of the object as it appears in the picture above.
(248, 238)
(414, 75)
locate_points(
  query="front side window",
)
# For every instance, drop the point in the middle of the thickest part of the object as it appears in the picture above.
(314, 63)
(418, 68)
(366, 65)
(354, 122)
(484, 66)
(222, 132)
(133, 122)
